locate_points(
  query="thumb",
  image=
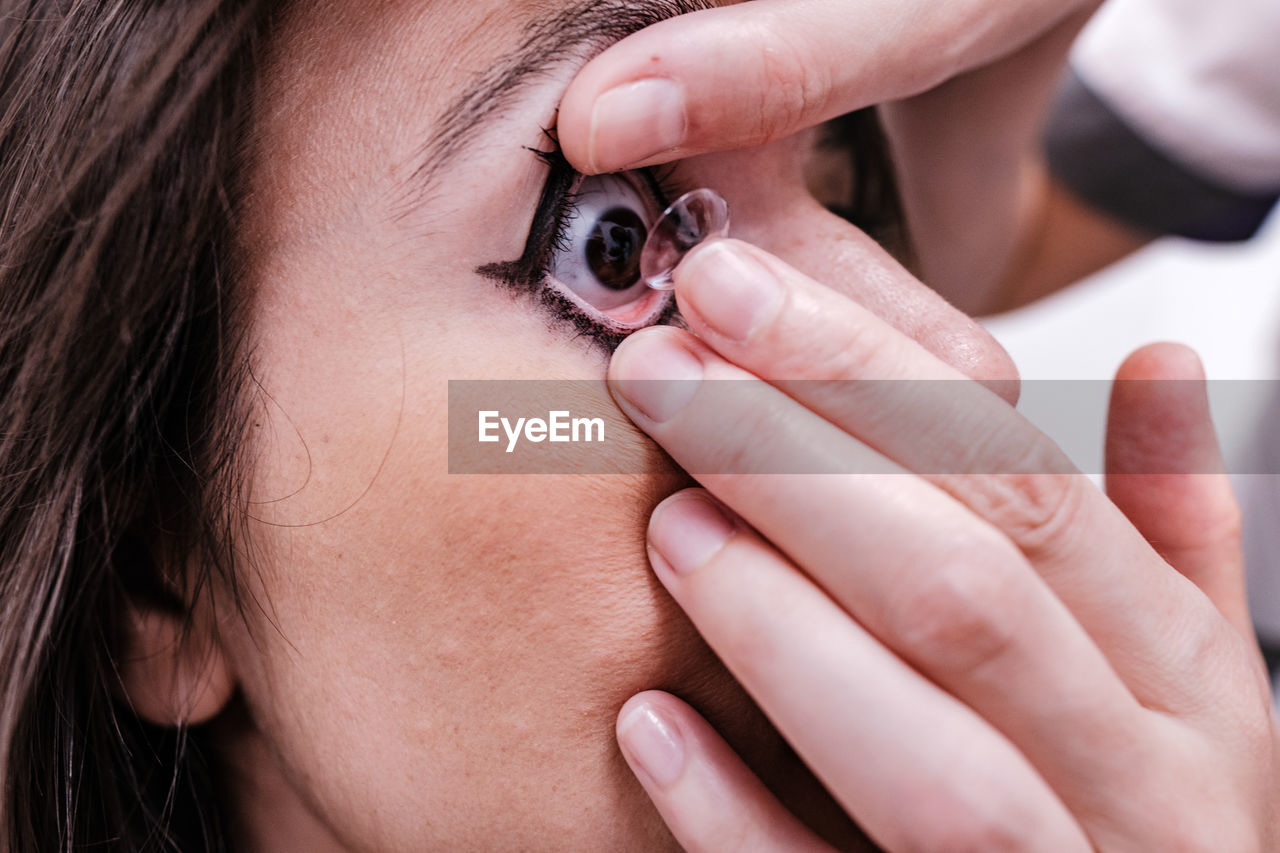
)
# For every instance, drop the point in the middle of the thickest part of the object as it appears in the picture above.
(1165, 472)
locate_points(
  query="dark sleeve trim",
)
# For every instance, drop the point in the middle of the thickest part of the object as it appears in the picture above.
(1107, 164)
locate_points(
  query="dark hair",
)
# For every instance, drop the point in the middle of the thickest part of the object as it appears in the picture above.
(121, 370)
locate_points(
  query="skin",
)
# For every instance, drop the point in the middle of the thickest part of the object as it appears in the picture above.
(1090, 677)
(1031, 604)
(962, 87)
(437, 662)
(430, 661)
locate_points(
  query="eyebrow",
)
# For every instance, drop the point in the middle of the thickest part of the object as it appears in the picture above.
(582, 27)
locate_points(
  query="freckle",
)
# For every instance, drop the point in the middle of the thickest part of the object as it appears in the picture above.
(655, 58)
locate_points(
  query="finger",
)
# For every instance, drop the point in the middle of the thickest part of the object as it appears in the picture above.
(708, 798)
(746, 74)
(864, 376)
(1165, 472)
(938, 586)
(917, 769)
(831, 250)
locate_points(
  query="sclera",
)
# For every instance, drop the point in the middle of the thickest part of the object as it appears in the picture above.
(693, 218)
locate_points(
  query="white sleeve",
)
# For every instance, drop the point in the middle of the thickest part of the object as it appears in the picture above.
(1197, 79)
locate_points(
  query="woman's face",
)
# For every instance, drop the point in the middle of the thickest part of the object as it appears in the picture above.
(437, 660)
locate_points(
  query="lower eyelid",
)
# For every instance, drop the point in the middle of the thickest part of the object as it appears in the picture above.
(636, 314)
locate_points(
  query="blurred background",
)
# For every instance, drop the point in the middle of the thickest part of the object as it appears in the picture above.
(1223, 300)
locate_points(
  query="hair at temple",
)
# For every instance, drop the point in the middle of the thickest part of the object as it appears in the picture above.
(120, 374)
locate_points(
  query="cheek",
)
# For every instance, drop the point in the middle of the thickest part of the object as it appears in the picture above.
(443, 635)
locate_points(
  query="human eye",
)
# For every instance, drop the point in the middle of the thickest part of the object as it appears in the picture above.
(595, 260)
(582, 257)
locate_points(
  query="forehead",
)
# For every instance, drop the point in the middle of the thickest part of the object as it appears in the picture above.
(427, 56)
(365, 94)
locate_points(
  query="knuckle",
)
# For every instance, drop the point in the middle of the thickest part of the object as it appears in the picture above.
(825, 351)
(795, 88)
(958, 618)
(1241, 700)
(858, 352)
(757, 432)
(1203, 643)
(1036, 510)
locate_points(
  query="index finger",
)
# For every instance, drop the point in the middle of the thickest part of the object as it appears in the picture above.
(736, 76)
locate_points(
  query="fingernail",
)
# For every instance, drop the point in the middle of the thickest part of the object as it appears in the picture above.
(651, 746)
(733, 292)
(688, 531)
(635, 121)
(656, 375)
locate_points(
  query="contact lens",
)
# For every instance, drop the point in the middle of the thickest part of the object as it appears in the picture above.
(694, 218)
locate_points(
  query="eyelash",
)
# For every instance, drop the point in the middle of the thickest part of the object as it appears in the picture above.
(549, 233)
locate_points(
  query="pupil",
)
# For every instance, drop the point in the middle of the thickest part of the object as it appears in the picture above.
(613, 249)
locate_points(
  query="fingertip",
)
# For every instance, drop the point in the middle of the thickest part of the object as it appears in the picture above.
(1159, 422)
(700, 786)
(639, 702)
(625, 109)
(650, 738)
(1160, 413)
(1162, 360)
(690, 493)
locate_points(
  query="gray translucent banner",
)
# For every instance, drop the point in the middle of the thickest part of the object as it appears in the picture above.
(856, 426)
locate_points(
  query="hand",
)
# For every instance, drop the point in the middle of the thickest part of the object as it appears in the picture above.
(967, 661)
(965, 83)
